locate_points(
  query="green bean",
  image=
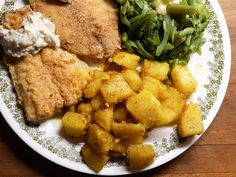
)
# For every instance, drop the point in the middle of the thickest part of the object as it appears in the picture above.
(188, 40)
(143, 51)
(124, 20)
(196, 44)
(179, 9)
(121, 1)
(179, 40)
(137, 24)
(173, 31)
(166, 27)
(156, 37)
(186, 31)
(138, 3)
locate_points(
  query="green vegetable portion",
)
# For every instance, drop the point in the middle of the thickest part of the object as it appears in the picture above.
(163, 37)
(180, 9)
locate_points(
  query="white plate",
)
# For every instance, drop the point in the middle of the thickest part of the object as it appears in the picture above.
(211, 69)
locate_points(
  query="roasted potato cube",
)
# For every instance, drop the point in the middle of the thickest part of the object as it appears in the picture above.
(156, 87)
(92, 88)
(183, 80)
(133, 79)
(74, 124)
(166, 116)
(175, 102)
(97, 74)
(120, 113)
(119, 149)
(190, 121)
(92, 159)
(104, 118)
(84, 108)
(145, 108)
(155, 69)
(127, 60)
(116, 89)
(136, 140)
(99, 139)
(150, 84)
(140, 156)
(97, 102)
(125, 130)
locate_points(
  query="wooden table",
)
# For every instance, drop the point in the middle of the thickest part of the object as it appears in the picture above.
(213, 155)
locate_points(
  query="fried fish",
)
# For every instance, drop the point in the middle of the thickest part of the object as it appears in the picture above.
(13, 19)
(47, 81)
(87, 28)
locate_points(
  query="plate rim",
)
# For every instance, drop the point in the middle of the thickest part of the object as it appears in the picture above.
(171, 155)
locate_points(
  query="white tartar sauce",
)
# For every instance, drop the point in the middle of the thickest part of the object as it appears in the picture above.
(162, 5)
(35, 33)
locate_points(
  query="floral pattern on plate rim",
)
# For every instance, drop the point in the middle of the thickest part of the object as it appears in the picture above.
(56, 145)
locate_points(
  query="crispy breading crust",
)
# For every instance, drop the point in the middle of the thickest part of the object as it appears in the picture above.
(36, 91)
(68, 73)
(13, 19)
(88, 28)
(47, 81)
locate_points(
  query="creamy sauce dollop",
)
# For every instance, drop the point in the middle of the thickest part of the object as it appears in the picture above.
(162, 5)
(35, 33)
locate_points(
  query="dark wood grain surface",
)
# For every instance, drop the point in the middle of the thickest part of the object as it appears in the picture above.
(213, 155)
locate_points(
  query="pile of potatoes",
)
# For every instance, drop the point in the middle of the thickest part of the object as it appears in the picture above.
(120, 105)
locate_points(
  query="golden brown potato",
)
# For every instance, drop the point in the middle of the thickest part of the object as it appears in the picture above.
(190, 122)
(92, 159)
(99, 139)
(155, 69)
(183, 80)
(125, 130)
(120, 113)
(127, 60)
(97, 102)
(119, 149)
(156, 87)
(120, 146)
(136, 140)
(132, 77)
(166, 116)
(97, 74)
(104, 118)
(116, 89)
(145, 108)
(140, 156)
(85, 108)
(74, 124)
(175, 102)
(92, 88)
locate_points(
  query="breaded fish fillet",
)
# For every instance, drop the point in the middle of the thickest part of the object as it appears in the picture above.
(13, 19)
(47, 81)
(87, 28)
(35, 89)
(68, 73)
